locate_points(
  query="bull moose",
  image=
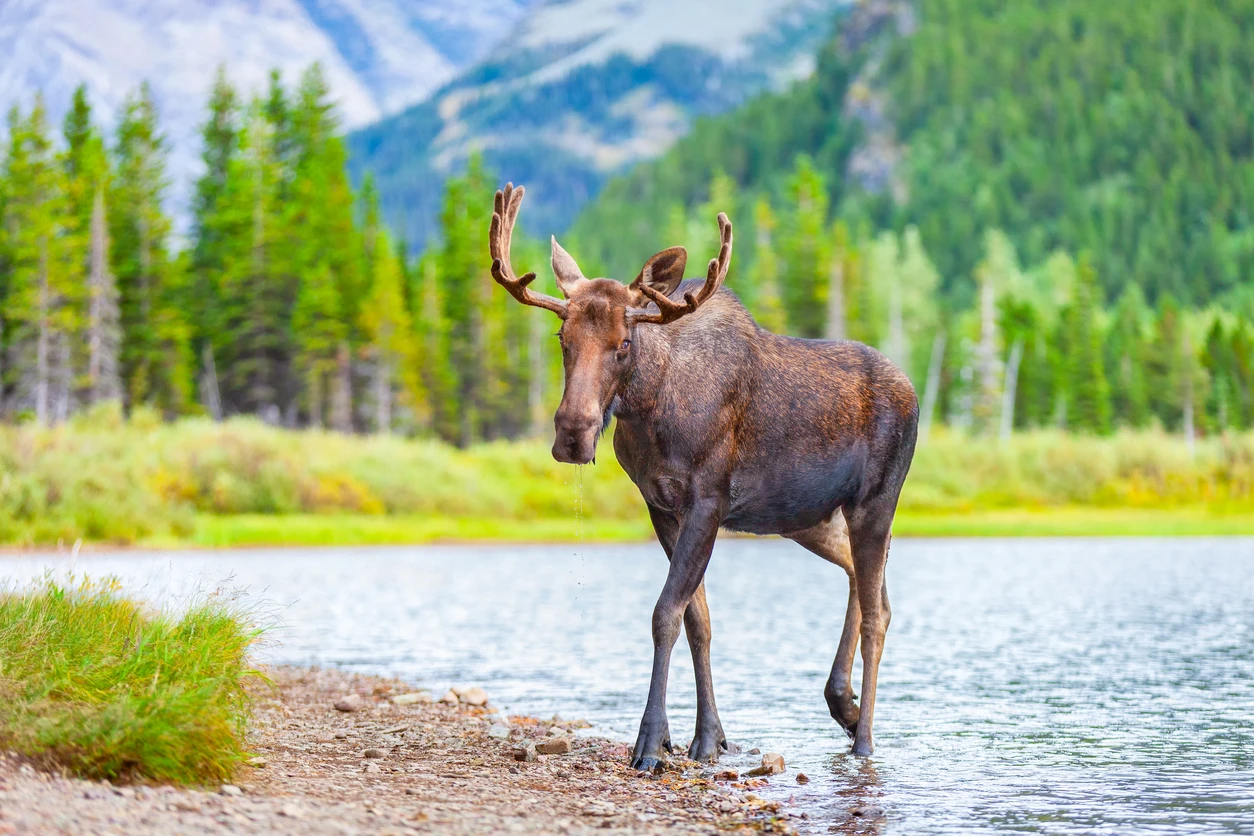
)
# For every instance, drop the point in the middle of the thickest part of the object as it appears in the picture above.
(722, 424)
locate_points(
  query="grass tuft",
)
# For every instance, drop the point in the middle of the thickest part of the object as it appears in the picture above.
(100, 685)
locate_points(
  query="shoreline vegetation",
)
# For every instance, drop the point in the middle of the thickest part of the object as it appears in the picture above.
(101, 685)
(116, 715)
(143, 482)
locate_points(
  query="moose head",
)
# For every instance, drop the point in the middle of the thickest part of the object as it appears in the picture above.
(600, 318)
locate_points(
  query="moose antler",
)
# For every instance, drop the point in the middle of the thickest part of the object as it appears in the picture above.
(504, 214)
(669, 311)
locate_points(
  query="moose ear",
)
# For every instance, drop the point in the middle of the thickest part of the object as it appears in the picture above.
(565, 270)
(663, 272)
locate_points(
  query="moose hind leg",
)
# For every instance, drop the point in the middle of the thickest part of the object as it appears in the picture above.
(830, 541)
(709, 741)
(869, 532)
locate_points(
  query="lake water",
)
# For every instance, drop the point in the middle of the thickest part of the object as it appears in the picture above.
(1039, 686)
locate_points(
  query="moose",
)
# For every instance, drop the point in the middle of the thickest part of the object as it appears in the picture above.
(722, 424)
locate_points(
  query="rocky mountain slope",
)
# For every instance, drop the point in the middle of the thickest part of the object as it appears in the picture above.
(582, 89)
(379, 55)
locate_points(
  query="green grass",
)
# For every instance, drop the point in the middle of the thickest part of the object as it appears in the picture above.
(244, 530)
(94, 682)
(107, 480)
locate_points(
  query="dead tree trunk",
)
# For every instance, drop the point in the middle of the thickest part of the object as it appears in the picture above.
(102, 325)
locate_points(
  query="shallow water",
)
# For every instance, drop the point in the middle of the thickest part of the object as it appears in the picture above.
(1039, 686)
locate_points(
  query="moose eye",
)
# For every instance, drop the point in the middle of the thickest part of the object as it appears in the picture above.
(623, 346)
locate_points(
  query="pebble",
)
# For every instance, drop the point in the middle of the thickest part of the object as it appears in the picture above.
(727, 775)
(370, 766)
(372, 753)
(513, 770)
(230, 789)
(412, 698)
(525, 752)
(755, 751)
(500, 731)
(258, 762)
(772, 764)
(291, 811)
(349, 702)
(125, 792)
(471, 696)
(554, 746)
(341, 735)
(449, 697)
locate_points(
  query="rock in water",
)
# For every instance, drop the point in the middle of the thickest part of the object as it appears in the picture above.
(349, 702)
(413, 698)
(772, 764)
(471, 696)
(554, 746)
(803, 778)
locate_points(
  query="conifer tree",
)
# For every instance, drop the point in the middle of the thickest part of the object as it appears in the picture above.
(390, 331)
(805, 251)
(155, 355)
(40, 319)
(1089, 402)
(768, 307)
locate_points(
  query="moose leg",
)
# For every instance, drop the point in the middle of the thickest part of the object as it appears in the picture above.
(830, 541)
(869, 532)
(688, 561)
(709, 741)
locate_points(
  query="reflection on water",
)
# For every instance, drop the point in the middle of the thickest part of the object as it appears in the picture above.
(1042, 686)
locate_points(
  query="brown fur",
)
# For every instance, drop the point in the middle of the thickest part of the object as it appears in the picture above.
(723, 424)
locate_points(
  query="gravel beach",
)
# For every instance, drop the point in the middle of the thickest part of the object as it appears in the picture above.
(339, 754)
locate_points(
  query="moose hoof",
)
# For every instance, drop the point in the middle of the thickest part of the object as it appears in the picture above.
(706, 748)
(845, 712)
(862, 750)
(647, 764)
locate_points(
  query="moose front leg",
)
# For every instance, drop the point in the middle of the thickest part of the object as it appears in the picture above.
(709, 741)
(689, 559)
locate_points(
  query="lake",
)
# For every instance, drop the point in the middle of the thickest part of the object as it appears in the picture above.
(1028, 685)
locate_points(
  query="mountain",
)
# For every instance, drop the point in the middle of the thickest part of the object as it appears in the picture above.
(580, 91)
(1114, 132)
(379, 55)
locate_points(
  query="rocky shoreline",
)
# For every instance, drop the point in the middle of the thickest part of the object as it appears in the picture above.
(339, 753)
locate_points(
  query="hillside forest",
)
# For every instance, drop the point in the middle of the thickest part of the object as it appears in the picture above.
(1037, 246)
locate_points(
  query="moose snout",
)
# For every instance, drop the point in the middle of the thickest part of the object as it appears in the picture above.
(576, 439)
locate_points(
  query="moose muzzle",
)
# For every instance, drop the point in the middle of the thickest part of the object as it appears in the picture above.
(576, 439)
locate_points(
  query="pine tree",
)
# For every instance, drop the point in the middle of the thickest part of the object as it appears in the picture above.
(768, 308)
(37, 311)
(805, 251)
(156, 352)
(387, 324)
(1089, 401)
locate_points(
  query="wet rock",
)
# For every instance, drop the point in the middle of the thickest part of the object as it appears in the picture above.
(727, 775)
(471, 696)
(499, 731)
(554, 746)
(230, 789)
(803, 778)
(772, 764)
(870, 811)
(349, 702)
(450, 697)
(413, 698)
(525, 752)
(755, 751)
(372, 753)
